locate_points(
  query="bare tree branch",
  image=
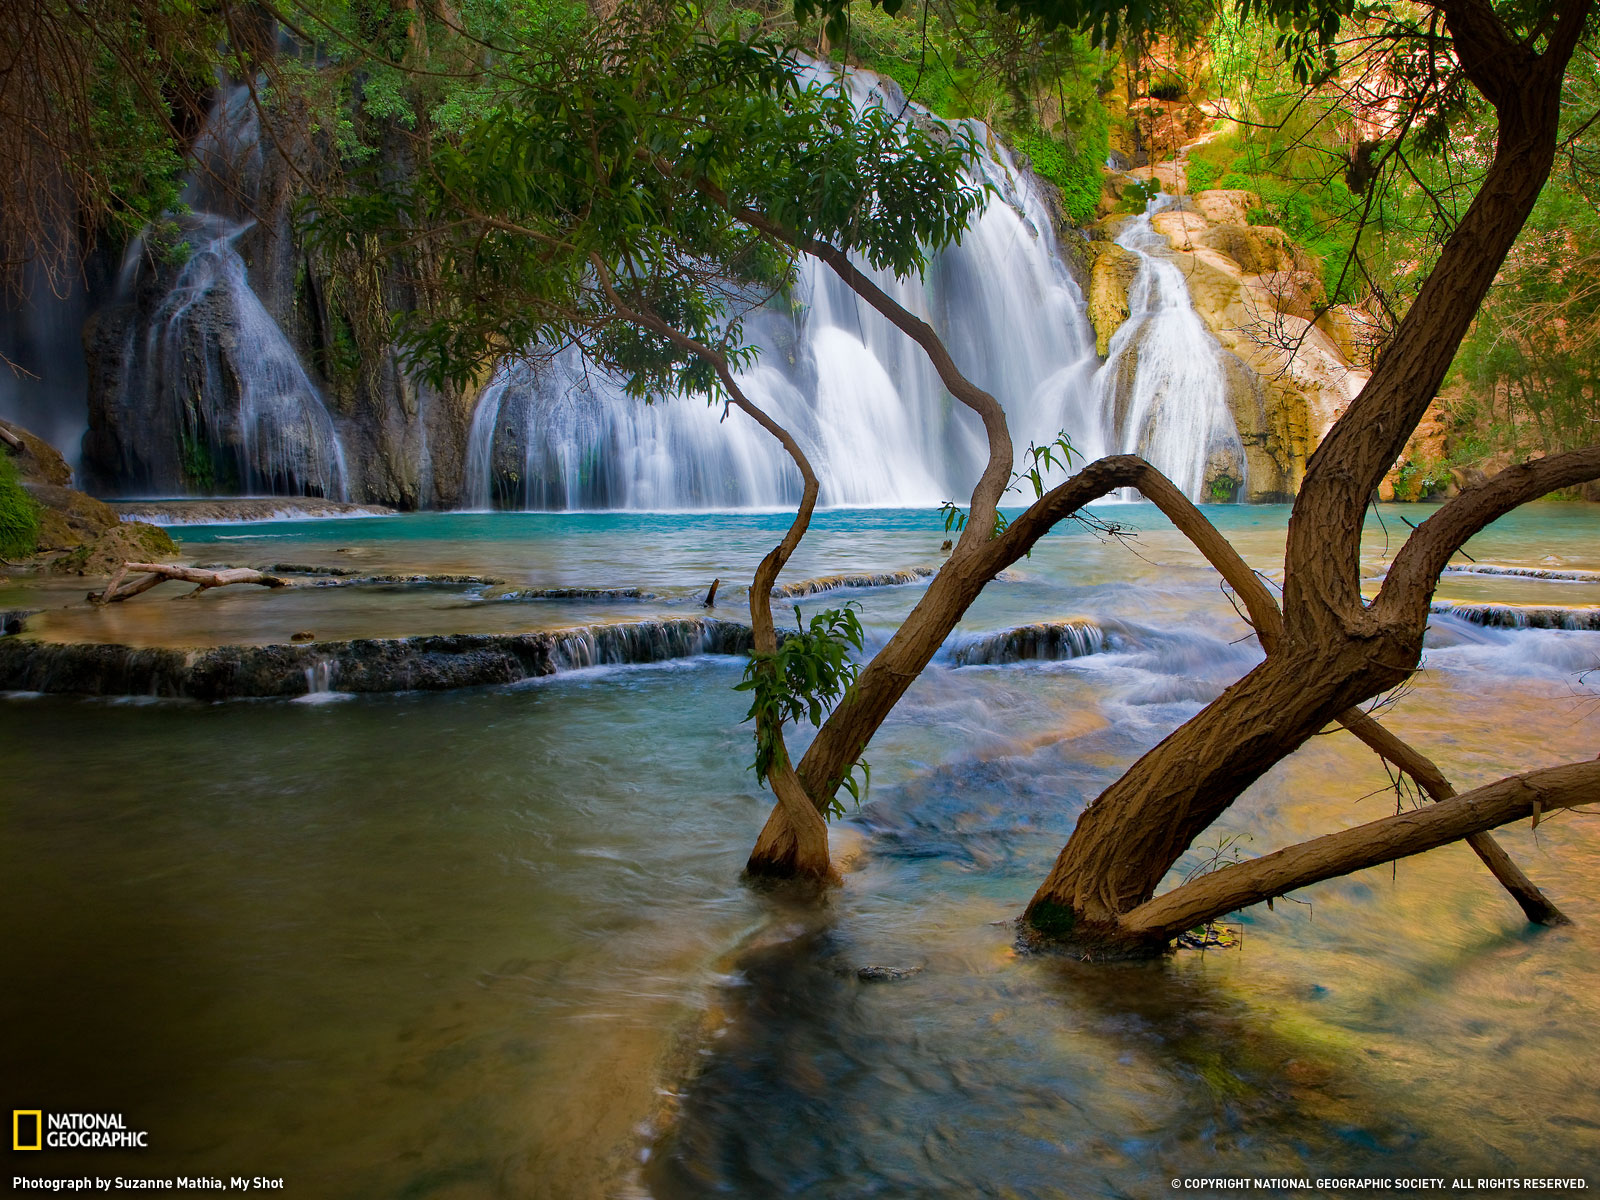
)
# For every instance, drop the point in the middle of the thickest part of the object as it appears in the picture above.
(1395, 837)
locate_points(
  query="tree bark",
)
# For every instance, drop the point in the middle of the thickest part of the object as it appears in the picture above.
(161, 572)
(794, 842)
(1399, 836)
(1334, 650)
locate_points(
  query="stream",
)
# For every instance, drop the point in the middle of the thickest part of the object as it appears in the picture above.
(492, 942)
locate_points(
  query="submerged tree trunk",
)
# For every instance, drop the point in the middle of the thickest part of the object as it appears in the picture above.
(1336, 650)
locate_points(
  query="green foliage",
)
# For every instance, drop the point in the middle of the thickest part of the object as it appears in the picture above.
(1420, 479)
(1529, 372)
(803, 680)
(1040, 90)
(1318, 211)
(650, 157)
(197, 463)
(1077, 173)
(1040, 461)
(1223, 488)
(19, 513)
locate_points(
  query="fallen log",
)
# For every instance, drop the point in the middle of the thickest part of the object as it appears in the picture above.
(201, 577)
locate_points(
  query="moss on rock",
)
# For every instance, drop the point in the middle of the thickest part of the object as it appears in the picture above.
(129, 541)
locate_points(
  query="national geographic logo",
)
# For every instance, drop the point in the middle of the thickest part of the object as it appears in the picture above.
(35, 1129)
(27, 1129)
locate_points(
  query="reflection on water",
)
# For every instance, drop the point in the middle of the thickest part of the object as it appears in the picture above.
(453, 945)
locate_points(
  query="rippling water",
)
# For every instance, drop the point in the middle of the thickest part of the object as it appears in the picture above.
(460, 945)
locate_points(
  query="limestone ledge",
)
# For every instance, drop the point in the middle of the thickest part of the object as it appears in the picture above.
(366, 665)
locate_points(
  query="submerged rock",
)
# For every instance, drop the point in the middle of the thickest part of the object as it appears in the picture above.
(350, 579)
(1048, 641)
(839, 583)
(1521, 616)
(877, 974)
(574, 593)
(364, 665)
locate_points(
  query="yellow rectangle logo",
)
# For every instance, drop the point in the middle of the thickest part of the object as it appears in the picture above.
(21, 1118)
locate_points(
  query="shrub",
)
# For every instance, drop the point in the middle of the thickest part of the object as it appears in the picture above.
(19, 513)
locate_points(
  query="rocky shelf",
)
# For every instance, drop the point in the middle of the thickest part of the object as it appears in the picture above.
(840, 583)
(1048, 641)
(241, 510)
(1520, 616)
(366, 665)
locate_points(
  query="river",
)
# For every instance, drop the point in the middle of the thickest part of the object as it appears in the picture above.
(492, 942)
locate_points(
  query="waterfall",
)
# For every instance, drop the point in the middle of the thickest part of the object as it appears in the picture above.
(41, 334)
(859, 396)
(1163, 391)
(245, 406)
(210, 362)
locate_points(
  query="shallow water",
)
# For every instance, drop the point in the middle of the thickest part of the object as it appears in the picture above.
(453, 945)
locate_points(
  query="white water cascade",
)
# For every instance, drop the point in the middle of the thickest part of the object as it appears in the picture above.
(211, 357)
(860, 397)
(1163, 391)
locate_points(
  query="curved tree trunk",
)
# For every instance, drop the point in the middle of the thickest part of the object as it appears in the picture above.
(1335, 651)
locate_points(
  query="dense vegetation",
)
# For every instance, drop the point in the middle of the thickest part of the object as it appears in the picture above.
(1373, 183)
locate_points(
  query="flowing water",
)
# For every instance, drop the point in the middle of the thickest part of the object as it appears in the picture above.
(858, 395)
(1163, 388)
(210, 362)
(492, 942)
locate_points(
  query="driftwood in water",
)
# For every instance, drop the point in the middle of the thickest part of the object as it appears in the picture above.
(711, 596)
(201, 577)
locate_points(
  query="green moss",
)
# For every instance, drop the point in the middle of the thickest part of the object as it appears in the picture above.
(1051, 919)
(19, 513)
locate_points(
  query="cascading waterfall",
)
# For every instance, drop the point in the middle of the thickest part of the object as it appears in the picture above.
(1163, 391)
(859, 396)
(247, 416)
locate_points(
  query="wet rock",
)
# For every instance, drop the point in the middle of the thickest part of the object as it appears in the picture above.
(838, 583)
(307, 569)
(1047, 641)
(235, 511)
(574, 593)
(1109, 280)
(1521, 616)
(348, 579)
(304, 635)
(12, 620)
(365, 665)
(877, 974)
(1568, 576)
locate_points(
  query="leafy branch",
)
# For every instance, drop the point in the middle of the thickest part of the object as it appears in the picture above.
(809, 673)
(1056, 455)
